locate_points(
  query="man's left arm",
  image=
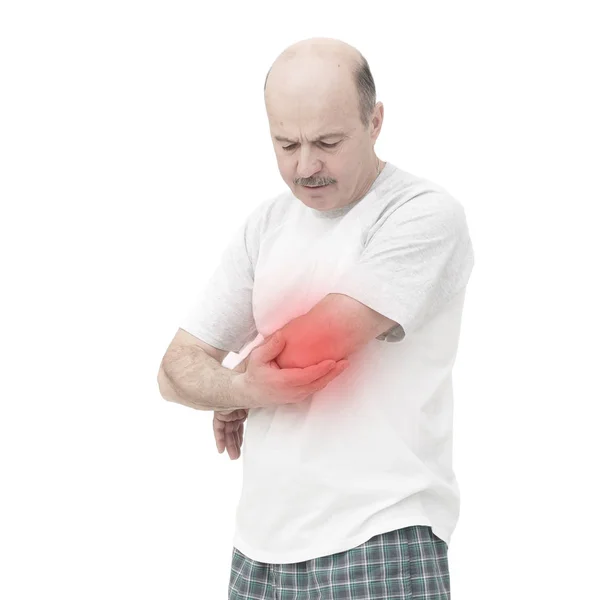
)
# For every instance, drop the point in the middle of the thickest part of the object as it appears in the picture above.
(334, 328)
(416, 261)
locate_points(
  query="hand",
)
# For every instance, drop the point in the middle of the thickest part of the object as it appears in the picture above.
(262, 383)
(228, 426)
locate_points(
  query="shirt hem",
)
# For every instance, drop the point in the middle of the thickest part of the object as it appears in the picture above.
(304, 555)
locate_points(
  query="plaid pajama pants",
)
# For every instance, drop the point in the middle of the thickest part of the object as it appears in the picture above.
(405, 564)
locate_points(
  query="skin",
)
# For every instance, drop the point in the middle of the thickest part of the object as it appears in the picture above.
(310, 92)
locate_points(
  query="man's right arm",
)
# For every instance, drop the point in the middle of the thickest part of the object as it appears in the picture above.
(189, 375)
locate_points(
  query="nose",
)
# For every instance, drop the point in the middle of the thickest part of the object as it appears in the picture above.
(308, 163)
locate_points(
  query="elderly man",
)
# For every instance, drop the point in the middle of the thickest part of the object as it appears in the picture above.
(346, 296)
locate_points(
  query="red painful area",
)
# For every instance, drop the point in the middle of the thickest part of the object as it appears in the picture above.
(309, 340)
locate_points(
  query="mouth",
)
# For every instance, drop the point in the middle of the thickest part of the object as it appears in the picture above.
(315, 187)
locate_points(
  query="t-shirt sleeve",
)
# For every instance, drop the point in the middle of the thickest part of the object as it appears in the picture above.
(415, 261)
(222, 314)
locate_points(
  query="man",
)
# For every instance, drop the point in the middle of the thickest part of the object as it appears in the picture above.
(349, 293)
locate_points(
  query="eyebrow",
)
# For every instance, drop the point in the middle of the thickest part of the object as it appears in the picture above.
(317, 139)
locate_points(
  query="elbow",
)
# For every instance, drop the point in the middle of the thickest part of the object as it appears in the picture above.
(165, 388)
(301, 352)
(294, 358)
(171, 392)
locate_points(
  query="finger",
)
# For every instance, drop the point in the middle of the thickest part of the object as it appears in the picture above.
(319, 384)
(231, 445)
(301, 377)
(240, 436)
(219, 436)
(238, 432)
(234, 445)
(238, 444)
(271, 347)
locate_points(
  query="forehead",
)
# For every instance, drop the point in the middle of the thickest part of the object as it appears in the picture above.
(313, 117)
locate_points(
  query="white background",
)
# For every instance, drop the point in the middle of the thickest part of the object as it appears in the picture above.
(134, 141)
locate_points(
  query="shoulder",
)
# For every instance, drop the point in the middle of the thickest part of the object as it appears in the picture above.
(268, 214)
(262, 221)
(413, 202)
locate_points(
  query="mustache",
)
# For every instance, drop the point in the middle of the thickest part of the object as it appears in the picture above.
(313, 181)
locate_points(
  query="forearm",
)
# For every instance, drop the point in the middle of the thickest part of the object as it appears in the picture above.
(189, 376)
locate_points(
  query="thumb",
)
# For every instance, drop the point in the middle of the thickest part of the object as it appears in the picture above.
(272, 347)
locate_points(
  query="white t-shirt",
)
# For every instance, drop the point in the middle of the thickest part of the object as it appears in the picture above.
(372, 452)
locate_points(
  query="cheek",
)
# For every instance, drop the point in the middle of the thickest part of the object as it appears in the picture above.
(281, 164)
(338, 170)
(286, 168)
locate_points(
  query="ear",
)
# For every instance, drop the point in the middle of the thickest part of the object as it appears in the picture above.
(376, 121)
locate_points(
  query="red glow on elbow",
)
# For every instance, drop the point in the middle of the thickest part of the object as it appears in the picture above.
(306, 343)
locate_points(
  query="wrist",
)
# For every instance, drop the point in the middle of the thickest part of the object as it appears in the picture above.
(239, 392)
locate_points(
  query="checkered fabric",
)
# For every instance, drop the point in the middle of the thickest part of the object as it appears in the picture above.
(405, 564)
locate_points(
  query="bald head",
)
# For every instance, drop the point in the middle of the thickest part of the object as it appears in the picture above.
(323, 65)
(324, 48)
(324, 122)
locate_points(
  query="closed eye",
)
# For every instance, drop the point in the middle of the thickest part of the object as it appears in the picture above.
(325, 145)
